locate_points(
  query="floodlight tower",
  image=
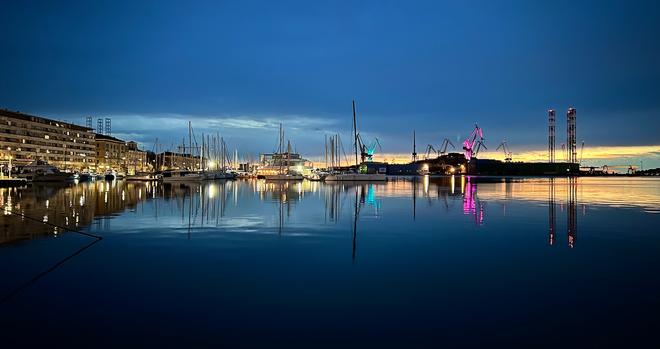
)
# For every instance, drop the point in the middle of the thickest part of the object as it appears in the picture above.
(570, 133)
(551, 135)
(99, 126)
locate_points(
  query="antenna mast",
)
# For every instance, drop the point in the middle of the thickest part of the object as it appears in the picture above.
(414, 153)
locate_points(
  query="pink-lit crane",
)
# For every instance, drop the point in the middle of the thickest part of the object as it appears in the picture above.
(474, 142)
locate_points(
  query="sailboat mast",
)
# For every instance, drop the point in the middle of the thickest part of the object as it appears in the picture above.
(279, 148)
(222, 144)
(190, 143)
(355, 135)
(288, 154)
(201, 155)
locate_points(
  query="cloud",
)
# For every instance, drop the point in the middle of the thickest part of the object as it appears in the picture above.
(130, 123)
(252, 133)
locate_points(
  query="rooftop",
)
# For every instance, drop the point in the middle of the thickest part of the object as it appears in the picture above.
(28, 117)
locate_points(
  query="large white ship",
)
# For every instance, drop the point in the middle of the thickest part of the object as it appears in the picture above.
(282, 165)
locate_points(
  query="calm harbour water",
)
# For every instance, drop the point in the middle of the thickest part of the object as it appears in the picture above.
(453, 261)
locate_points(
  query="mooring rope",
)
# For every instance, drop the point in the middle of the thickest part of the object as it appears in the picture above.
(54, 266)
(57, 226)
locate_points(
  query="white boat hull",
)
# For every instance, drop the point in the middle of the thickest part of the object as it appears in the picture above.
(283, 177)
(374, 177)
(195, 178)
(218, 175)
(142, 178)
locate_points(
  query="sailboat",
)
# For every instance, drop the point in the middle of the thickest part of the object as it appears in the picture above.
(170, 176)
(356, 176)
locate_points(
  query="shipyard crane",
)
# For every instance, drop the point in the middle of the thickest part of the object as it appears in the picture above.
(428, 151)
(630, 169)
(506, 150)
(474, 142)
(480, 144)
(443, 147)
(367, 151)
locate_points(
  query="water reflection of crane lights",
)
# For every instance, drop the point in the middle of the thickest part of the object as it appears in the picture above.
(471, 203)
(571, 209)
(371, 198)
(552, 220)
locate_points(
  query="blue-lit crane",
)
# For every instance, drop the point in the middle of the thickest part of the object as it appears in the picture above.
(367, 151)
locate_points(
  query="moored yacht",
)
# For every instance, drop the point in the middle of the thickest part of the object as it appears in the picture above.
(110, 175)
(356, 177)
(41, 171)
(316, 176)
(181, 176)
(86, 176)
(283, 177)
(144, 177)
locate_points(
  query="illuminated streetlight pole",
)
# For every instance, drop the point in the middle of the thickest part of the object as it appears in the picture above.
(9, 171)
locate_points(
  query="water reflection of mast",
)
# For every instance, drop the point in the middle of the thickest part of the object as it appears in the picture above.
(281, 210)
(572, 211)
(355, 218)
(189, 212)
(551, 210)
(414, 190)
(332, 202)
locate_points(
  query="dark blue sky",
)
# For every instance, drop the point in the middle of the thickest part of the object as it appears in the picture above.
(239, 67)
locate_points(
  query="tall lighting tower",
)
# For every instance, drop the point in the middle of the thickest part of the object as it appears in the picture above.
(551, 135)
(108, 127)
(570, 131)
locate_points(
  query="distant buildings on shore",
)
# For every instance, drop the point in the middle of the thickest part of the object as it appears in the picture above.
(25, 138)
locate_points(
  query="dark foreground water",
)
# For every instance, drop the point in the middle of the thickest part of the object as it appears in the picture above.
(440, 262)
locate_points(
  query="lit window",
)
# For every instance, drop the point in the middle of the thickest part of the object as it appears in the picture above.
(47, 136)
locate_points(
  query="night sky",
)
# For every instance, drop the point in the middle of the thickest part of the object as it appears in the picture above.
(241, 67)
